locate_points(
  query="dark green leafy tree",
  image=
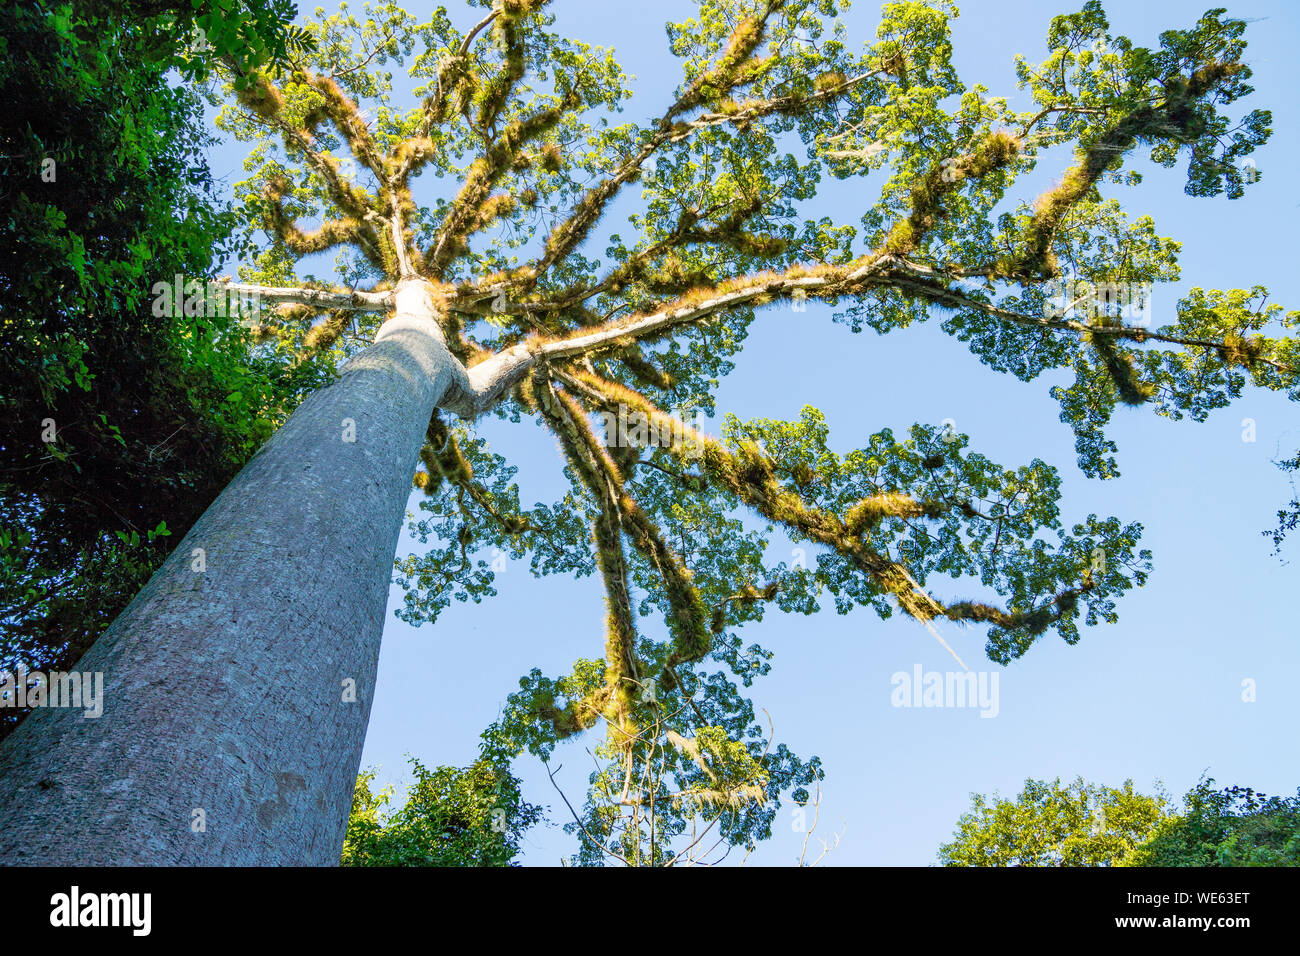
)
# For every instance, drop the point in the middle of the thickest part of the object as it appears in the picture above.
(189, 34)
(474, 816)
(1234, 826)
(512, 298)
(117, 425)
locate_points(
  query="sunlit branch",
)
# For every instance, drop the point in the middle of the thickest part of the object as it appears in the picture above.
(355, 300)
(734, 69)
(475, 206)
(923, 286)
(1171, 118)
(436, 104)
(750, 475)
(688, 618)
(603, 483)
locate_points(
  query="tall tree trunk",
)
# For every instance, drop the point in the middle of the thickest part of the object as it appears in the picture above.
(228, 735)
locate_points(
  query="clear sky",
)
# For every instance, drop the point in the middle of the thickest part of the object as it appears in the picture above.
(1157, 696)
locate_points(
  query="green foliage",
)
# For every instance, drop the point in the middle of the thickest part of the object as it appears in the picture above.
(1231, 827)
(978, 520)
(1084, 824)
(451, 817)
(151, 414)
(189, 35)
(1047, 824)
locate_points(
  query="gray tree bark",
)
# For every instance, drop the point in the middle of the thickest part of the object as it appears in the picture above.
(227, 735)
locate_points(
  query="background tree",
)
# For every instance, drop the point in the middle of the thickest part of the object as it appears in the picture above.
(491, 298)
(1085, 824)
(475, 816)
(1234, 826)
(1047, 824)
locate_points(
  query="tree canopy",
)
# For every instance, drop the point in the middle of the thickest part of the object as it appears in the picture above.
(490, 178)
(490, 181)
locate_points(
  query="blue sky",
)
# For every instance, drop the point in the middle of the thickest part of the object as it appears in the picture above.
(1157, 696)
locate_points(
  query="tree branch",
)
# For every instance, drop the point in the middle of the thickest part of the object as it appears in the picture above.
(355, 300)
